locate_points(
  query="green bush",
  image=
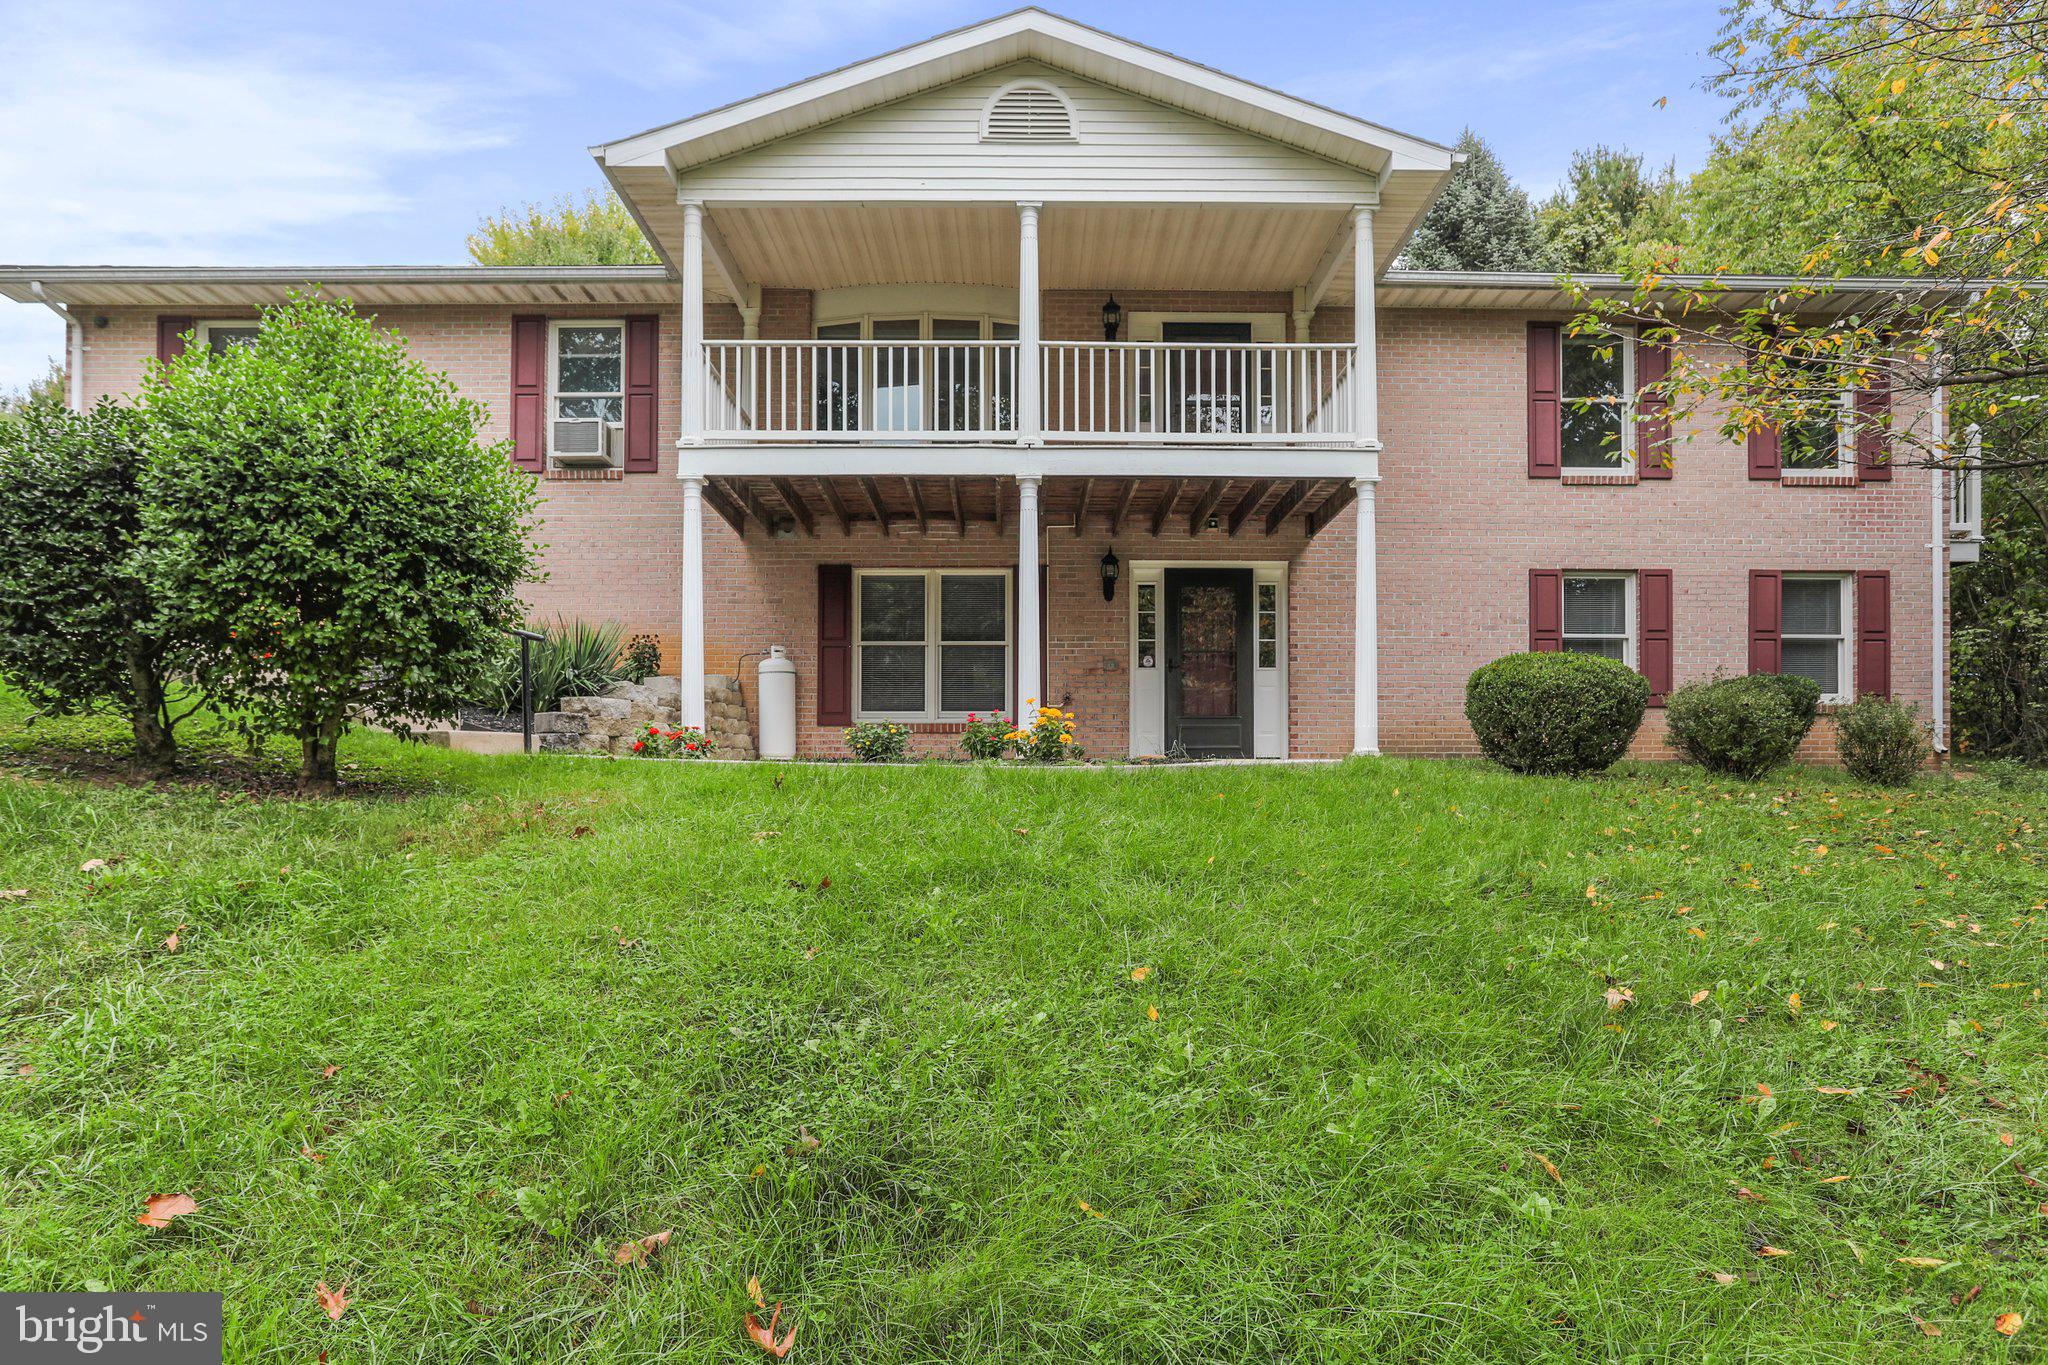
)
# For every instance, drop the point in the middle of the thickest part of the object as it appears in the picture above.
(1555, 713)
(1881, 741)
(987, 736)
(325, 514)
(878, 741)
(643, 659)
(1742, 726)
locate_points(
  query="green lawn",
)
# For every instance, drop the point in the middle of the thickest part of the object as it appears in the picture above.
(572, 1002)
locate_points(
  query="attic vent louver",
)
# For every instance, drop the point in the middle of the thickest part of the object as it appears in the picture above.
(1028, 111)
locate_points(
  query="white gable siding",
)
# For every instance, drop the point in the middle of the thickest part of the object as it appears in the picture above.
(929, 147)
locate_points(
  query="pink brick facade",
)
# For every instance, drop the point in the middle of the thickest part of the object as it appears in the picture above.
(1460, 525)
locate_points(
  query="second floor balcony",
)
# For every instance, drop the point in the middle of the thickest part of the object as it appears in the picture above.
(973, 390)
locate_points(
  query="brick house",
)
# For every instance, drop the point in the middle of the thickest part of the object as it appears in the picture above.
(942, 338)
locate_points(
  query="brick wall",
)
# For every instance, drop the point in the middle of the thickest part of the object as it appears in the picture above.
(1460, 526)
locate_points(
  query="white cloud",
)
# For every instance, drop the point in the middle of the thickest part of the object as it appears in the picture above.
(126, 145)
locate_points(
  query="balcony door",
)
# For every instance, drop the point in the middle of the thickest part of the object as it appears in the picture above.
(925, 373)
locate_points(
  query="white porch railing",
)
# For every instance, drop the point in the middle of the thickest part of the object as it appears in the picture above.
(1226, 393)
(1142, 393)
(860, 390)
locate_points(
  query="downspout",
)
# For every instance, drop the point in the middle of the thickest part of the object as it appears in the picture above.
(74, 348)
(1937, 561)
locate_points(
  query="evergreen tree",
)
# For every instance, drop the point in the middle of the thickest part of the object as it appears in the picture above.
(1610, 213)
(1481, 222)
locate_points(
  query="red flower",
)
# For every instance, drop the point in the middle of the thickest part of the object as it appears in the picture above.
(652, 730)
(638, 745)
(691, 747)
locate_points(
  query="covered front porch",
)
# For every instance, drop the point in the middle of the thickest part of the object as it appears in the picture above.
(1196, 608)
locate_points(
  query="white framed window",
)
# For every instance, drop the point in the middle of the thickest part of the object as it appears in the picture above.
(1600, 615)
(217, 336)
(586, 370)
(931, 377)
(1599, 433)
(1268, 636)
(1813, 621)
(1823, 441)
(931, 644)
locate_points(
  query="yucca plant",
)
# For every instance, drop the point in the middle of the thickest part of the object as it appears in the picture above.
(573, 659)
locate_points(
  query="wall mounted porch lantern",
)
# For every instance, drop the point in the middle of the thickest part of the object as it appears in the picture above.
(1112, 318)
(1111, 567)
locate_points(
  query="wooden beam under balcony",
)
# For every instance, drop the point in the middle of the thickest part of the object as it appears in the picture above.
(1207, 506)
(757, 509)
(924, 517)
(959, 510)
(1332, 505)
(1296, 493)
(798, 508)
(875, 503)
(1248, 504)
(1166, 502)
(1123, 506)
(728, 510)
(838, 506)
(1081, 508)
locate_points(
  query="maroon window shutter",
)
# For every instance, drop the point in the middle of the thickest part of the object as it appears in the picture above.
(1874, 634)
(1764, 462)
(170, 337)
(1546, 414)
(1873, 430)
(1766, 620)
(1546, 610)
(835, 644)
(643, 363)
(1653, 627)
(529, 391)
(1653, 413)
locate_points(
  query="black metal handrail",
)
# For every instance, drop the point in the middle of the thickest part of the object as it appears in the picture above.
(526, 640)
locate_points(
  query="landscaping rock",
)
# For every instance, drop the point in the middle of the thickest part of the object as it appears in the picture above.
(608, 708)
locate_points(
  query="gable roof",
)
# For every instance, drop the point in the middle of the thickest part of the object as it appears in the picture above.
(646, 167)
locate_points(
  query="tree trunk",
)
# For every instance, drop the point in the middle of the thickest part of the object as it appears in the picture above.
(156, 752)
(317, 776)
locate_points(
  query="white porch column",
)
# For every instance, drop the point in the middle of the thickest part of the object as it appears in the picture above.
(1365, 703)
(690, 667)
(690, 391)
(1030, 664)
(1365, 364)
(1030, 418)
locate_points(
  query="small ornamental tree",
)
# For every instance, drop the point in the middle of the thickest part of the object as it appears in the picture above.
(320, 507)
(80, 629)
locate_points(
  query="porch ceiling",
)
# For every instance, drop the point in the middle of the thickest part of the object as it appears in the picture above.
(1081, 246)
(923, 505)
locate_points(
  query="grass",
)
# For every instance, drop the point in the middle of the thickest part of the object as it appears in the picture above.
(574, 1002)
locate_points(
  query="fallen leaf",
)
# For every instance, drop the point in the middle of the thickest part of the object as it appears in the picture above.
(306, 1151)
(1723, 1277)
(1834, 1179)
(1926, 1328)
(804, 1145)
(1768, 1250)
(1923, 1262)
(1828, 1026)
(1619, 997)
(335, 1301)
(25, 1069)
(171, 943)
(637, 1252)
(21, 895)
(472, 1306)
(159, 1209)
(754, 1291)
(1140, 973)
(762, 836)
(1840, 1089)
(764, 1337)
(327, 1072)
(1549, 1166)
(2009, 1324)
(2005, 1139)
(1792, 1002)
(1745, 1192)
(1699, 997)
(93, 865)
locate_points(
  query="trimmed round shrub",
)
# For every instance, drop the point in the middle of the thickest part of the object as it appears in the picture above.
(1881, 741)
(1742, 726)
(1555, 713)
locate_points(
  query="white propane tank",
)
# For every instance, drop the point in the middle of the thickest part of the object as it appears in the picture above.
(778, 704)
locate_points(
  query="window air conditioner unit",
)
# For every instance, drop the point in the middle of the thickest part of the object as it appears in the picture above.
(588, 443)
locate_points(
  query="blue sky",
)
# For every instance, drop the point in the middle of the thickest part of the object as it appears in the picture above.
(226, 132)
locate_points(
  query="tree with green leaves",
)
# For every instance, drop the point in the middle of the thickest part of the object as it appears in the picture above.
(595, 230)
(81, 626)
(1878, 137)
(1481, 221)
(46, 389)
(1610, 213)
(320, 510)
